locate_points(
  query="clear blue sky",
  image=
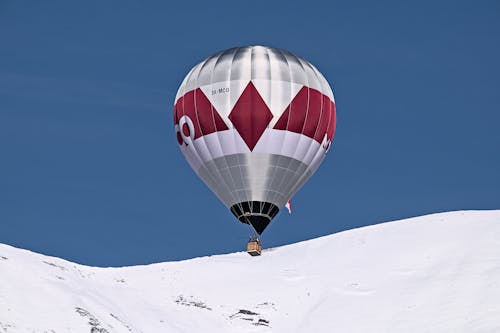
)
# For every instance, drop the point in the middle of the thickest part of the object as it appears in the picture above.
(89, 165)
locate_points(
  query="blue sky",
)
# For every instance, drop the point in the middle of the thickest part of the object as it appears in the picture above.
(89, 165)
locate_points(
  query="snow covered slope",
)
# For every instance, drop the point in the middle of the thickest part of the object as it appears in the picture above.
(436, 273)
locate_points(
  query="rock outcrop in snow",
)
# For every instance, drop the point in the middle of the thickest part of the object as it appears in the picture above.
(436, 273)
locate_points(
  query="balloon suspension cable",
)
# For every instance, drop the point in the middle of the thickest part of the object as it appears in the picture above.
(254, 236)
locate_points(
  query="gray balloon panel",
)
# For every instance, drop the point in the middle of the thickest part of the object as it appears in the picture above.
(254, 177)
(255, 62)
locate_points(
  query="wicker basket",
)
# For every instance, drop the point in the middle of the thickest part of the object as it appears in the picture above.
(254, 248)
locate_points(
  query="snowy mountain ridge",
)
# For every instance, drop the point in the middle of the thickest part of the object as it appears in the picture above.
(435, 273)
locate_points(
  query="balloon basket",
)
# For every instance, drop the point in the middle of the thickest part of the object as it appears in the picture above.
(254, 248)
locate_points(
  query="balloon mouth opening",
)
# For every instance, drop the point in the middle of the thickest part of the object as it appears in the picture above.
(258, 214)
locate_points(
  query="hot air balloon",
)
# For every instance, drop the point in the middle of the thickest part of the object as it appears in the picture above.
(254, 123)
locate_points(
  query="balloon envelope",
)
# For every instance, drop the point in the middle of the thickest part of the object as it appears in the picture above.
(254, 123)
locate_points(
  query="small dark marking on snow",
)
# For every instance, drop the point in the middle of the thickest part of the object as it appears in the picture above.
(98, 330)
(120, 280)
(250, 316)
(88, 275)
(243, 312)
(54, 265)
(121, 321)
(267, 305)
(247, 312)
(4, 258)
(93, 321)
(59, 277)
(181, 300)
(5, 327)
(262, 322)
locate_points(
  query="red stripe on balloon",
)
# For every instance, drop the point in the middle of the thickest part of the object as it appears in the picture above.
(198, 108)
(310, 113)
(314, 112)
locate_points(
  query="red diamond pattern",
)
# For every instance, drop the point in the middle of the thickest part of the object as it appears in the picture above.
(250, 116)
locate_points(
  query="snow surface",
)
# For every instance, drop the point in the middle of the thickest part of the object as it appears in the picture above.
(436, 273)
